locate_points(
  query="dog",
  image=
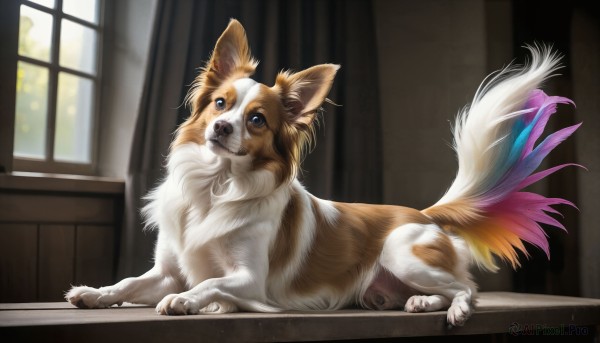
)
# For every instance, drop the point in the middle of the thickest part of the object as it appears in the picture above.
(238, 231)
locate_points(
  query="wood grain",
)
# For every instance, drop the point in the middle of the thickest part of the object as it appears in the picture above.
(56, 261)
(51, 208)
(18, 262)
(496, 313)
(94, 255)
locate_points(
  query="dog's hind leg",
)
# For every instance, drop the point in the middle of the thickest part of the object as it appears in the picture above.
(386, 292)
(435, 265)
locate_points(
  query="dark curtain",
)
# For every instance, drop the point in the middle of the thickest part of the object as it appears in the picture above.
(156, 121)
(346, 164)
(534, 22)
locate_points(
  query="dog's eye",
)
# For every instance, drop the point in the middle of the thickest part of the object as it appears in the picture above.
(220, 104)
(257, 120)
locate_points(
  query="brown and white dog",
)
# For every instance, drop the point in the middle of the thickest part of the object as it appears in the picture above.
(237, 230)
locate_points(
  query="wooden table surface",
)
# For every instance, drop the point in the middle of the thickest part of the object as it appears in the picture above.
(496, 312)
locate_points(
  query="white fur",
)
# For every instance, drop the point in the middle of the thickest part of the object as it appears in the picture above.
(457, 288)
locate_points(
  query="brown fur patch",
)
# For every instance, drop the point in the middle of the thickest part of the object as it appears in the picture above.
(439, 254)
(277, 146)
(286, 242)
(261, 145)
(342, 251)
(193, 129)
(456, 213)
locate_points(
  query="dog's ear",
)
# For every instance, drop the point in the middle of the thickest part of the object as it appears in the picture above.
(232, 53)
(303, 92)
(230, 56)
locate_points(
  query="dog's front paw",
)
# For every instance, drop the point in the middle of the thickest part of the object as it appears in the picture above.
(458, 313)
(88, 297)
(219, 307)
(418, 303)
(178, 304)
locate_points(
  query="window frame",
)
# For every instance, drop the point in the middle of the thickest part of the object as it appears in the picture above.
(48, 164)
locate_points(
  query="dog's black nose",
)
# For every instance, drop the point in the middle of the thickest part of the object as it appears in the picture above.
(223, 128)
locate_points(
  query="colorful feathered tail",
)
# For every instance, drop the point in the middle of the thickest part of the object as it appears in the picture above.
(495, 142)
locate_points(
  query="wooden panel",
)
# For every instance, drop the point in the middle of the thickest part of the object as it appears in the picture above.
(36, 208)
(56, 261)
(94, 255)
(18, 262)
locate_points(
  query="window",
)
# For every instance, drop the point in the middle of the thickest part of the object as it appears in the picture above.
(57, 85)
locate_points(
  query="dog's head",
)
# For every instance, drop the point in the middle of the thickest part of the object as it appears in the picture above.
(253, 125)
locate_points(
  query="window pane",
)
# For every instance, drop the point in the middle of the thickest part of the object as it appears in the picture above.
(78, 47)
(47, 3)
(35, 33)
(83, 9)
(31, 111)
(72, 140)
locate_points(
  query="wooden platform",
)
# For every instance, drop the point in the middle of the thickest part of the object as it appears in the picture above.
(509, 314)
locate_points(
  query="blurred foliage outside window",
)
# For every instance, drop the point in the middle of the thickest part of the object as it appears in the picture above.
(56, 89)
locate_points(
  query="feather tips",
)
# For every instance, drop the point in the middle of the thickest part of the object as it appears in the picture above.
(495, 140)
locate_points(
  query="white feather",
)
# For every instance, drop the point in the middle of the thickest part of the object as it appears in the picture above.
(480, 128)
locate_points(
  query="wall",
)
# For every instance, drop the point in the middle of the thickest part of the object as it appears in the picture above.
(418, 103)
(460, 42)
(585, 40)
(129, 25)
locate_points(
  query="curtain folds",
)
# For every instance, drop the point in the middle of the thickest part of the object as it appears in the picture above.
(346, 163)
(157, 119)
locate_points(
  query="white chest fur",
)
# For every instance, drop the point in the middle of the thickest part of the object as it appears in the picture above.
(202, 202)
